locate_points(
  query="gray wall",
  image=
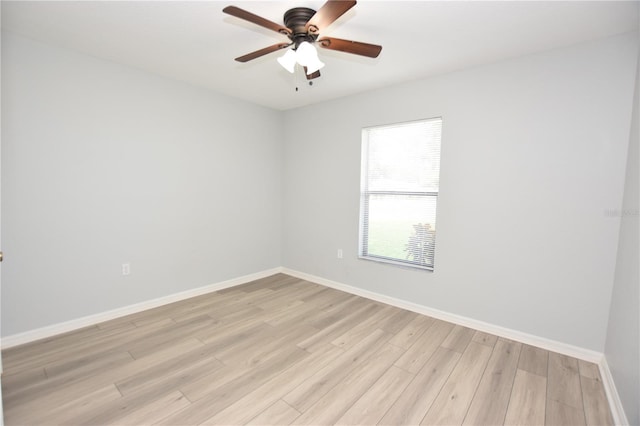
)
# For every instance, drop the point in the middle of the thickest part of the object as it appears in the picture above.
(623, 336)
(103, 164)
(533, 154)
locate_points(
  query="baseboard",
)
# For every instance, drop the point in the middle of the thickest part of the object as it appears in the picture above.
(617, 410)
(64, 327)
(540, 342)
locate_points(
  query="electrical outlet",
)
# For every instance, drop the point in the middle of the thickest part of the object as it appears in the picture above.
(126, 269)
(339, 253)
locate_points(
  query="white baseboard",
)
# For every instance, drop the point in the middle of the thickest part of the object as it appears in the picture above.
(64, 327)
(530, 339)
(617, 410)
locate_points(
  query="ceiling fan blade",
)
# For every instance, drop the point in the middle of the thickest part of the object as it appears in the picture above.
(255, 19)
(262, 52)
(329, 12)
(348, 46)
(312, 75)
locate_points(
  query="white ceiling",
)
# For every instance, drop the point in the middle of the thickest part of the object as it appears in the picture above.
(196, 43)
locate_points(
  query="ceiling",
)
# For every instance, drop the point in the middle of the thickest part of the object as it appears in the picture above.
(196, 43)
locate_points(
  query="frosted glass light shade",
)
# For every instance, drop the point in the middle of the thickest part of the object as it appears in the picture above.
(307, 56)
(314, 66)
(306, 53)
(288, 60)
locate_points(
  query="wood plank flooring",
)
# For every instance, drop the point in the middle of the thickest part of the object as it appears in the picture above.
(281, 350)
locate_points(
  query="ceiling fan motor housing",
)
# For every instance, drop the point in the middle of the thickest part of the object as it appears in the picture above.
(296, 20)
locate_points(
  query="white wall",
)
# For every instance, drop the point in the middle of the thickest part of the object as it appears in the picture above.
(622, 349)
(533, 155)
(103, 164)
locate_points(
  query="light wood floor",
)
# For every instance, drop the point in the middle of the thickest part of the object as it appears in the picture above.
(285, 351)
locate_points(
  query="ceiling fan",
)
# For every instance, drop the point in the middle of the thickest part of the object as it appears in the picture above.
(302, 26)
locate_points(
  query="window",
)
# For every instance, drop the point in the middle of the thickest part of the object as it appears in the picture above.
(399, 192)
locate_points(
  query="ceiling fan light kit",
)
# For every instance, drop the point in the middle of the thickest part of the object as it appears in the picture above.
(302, 27)
(305, 55)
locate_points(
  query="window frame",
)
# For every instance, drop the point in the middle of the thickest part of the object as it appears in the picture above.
(366, 194)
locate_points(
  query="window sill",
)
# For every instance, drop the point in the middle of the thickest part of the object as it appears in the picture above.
(397, 263)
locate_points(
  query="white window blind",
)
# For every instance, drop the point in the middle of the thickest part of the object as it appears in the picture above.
(399, 192)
